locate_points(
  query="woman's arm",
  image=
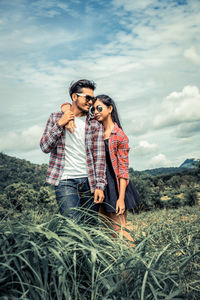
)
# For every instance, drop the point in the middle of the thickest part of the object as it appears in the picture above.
(122, 157)
(71, 125)
(120, 205)
(123, 164)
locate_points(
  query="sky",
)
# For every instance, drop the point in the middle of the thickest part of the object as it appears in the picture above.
(145, 54)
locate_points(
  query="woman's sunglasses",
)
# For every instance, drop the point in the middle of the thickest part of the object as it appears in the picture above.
(99, 108)
(88, 98)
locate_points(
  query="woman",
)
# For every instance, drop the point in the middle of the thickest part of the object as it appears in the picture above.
(120, 195)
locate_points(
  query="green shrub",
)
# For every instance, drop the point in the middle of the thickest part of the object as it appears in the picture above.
(190, 197)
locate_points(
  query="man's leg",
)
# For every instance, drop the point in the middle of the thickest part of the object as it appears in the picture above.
(67, 198)
(87, 204)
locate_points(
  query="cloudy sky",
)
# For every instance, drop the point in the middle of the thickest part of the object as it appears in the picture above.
(145, 54)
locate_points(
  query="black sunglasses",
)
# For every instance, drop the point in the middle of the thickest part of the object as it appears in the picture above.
(99, 108)
(88, 98)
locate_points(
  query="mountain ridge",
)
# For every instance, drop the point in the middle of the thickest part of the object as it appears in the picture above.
(13, 169)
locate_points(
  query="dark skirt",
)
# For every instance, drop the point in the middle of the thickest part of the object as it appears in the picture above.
(132, 198)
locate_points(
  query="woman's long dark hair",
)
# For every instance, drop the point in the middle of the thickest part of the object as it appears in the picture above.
(110, 102)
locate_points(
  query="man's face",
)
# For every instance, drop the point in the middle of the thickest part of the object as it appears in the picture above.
(84, 99)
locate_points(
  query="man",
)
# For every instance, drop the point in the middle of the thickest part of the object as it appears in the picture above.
(77, 161)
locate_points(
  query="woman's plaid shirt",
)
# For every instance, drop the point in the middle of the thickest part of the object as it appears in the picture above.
(53, 141)
(119, 149)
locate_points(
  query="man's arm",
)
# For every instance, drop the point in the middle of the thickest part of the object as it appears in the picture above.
(53, 131)
(100, 164)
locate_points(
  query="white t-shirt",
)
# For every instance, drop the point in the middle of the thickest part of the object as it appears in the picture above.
(75, 151)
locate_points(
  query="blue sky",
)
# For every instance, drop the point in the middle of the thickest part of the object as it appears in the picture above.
(145, 54)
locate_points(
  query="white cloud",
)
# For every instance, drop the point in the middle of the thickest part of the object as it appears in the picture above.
(187, 130)
(145, 147)
(179, 107)
(192, 55)
(35, 38)
(134, 5)
(159, 161)
(159, 23)
(28, 139)
(52, 8)
(137, 59)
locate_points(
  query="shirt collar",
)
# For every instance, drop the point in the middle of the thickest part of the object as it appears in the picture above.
(115, 129)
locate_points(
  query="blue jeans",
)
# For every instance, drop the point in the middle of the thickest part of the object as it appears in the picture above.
(76, 201)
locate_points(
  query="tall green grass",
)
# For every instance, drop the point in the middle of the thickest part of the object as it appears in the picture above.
(60, 259)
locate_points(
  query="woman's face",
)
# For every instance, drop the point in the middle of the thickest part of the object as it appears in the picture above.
(101, 111)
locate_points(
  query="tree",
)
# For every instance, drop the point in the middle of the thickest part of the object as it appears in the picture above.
(190, 197)
(21, 195)
(174, 181)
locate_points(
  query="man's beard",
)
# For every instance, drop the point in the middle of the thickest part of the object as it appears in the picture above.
(82, 109)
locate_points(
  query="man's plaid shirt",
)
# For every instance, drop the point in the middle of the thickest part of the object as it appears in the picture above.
(119, 149)
(53, 140)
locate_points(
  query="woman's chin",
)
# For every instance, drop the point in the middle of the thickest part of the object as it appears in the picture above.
(99, 119)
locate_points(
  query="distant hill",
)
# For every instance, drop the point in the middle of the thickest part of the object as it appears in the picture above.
(189, 163)
(23, 187)
(14, 170)
(160, 171)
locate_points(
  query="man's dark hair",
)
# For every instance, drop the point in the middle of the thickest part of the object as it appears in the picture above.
(76, 87)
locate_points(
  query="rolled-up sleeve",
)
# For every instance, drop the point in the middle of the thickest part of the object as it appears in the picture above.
(123, 160)
(99, 154)
(51, 135)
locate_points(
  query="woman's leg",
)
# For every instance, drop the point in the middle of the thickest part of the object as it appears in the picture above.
(117, 223)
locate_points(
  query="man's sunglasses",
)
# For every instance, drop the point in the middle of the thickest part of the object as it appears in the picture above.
(99, 108)
(88, 98)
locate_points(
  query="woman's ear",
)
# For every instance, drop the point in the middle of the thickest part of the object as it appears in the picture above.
(110, 109)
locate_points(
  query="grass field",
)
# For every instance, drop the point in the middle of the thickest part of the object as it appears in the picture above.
(58, 259)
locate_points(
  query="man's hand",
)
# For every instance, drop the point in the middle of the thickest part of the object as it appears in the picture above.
(98, 196)
(66, 117)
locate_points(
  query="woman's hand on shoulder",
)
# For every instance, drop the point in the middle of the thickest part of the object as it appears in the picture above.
(70, 126)
(66, 109)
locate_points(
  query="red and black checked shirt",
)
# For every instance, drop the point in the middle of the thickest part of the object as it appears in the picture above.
(119, 149)
(53, 141)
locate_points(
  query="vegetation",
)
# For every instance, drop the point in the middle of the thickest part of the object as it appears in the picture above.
(169, 190)
(15, 170)
(23, 187)
(59, 259)
(45, 256)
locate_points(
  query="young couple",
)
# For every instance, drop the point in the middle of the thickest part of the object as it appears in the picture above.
(89, 158)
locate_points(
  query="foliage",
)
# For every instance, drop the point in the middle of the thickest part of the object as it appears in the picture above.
(21, 195)
(15, 170)
(190, 197)
(45, 256)
(60, 259)
(23, 187)
(167, 190)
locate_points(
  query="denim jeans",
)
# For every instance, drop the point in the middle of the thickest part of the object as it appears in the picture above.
(76, 201)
